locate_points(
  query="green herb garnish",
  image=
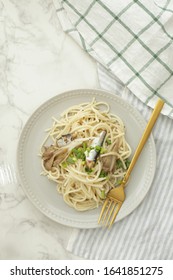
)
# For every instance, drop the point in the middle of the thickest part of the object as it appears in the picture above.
(103, 151)
(119, 164)
(84, 146)
(97, 149)
(102, 194)
(119, 182)
(71, 160)
(108, 141)
(103, 174)
(88, 170)
(64, 164)
(127, 163)
(78, 153)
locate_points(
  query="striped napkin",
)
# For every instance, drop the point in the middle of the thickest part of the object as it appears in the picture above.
(147, 233)
(132, 43)
(132, 39)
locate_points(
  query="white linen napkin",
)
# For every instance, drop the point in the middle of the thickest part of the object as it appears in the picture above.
(132, 39)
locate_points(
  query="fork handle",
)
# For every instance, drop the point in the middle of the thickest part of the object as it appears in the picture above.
(144, 138)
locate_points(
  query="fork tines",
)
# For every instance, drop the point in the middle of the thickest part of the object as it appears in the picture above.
(109, 212)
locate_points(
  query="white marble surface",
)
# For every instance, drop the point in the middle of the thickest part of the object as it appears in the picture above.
(37, 61)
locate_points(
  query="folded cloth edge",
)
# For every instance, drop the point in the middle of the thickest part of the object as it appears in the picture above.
(136, 90)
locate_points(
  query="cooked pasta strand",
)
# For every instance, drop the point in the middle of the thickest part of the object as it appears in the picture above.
(86, 188)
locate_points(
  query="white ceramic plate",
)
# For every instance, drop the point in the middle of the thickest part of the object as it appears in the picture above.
(42, 193)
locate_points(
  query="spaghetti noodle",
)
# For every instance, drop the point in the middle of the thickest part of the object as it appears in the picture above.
(65, 154)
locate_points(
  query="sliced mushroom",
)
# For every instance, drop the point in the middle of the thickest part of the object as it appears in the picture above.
(108, 161)
(48, 152)
(53, 156)
(61, 156)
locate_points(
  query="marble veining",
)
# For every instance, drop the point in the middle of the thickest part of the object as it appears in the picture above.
(37, 61)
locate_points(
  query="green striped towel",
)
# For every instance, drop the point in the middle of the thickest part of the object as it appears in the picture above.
(132, 39)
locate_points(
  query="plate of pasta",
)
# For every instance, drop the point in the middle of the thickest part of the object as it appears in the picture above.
(75, 148)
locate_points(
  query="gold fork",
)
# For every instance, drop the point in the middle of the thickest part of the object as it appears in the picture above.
(116, 196)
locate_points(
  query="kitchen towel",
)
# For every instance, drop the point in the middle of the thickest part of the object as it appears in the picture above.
(132, 39)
